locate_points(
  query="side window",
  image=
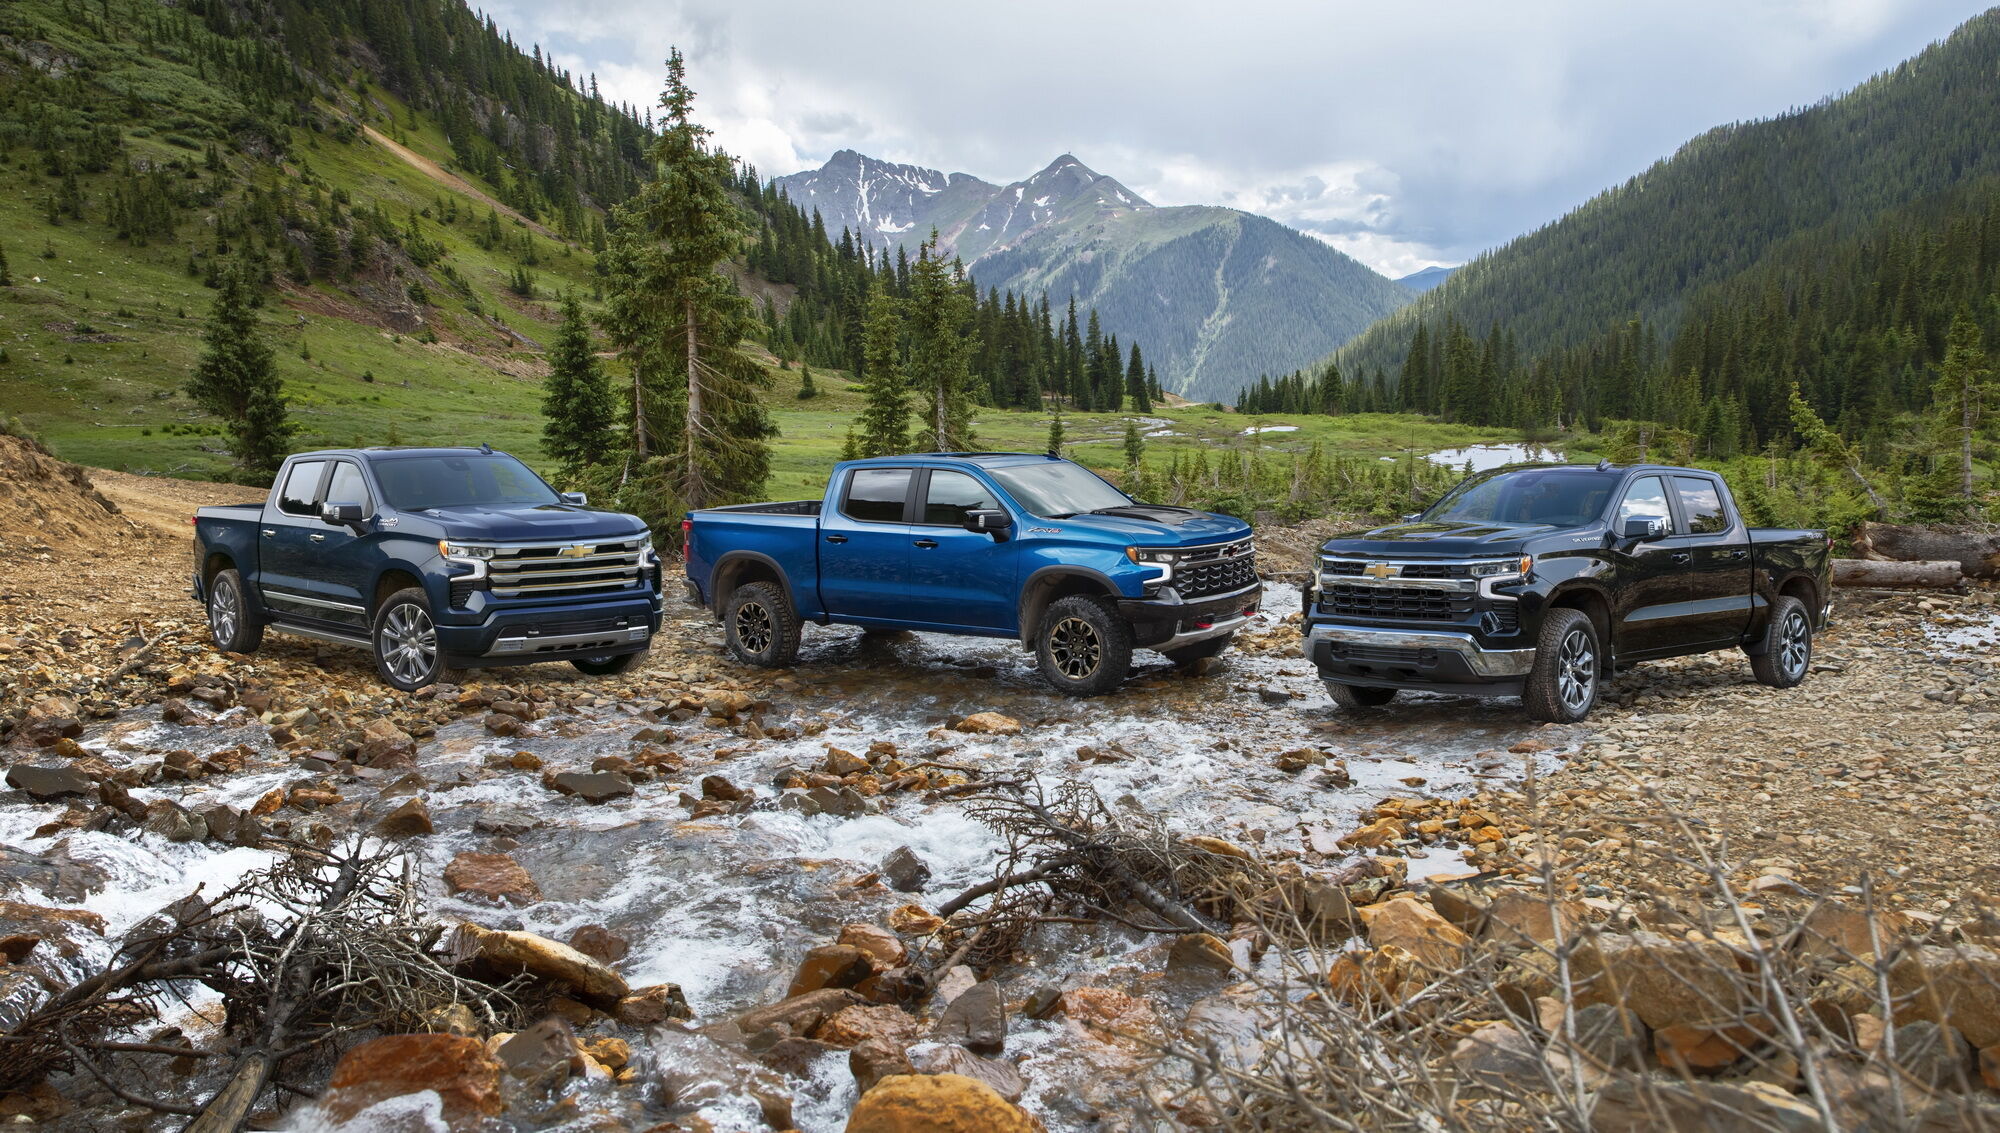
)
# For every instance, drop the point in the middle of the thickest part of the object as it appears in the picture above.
(349, 487)
(301, 485)
(1702, 505)
(951, 495)
(876, 495)
(1647, 497)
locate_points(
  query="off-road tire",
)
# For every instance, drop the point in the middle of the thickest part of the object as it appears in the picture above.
(1200, 650)
(233, 622)
(1569, 669)
(1359, 696)
(1786, 653)
(760, 626)
(1083, 647)
(402, 636)
(609, 666)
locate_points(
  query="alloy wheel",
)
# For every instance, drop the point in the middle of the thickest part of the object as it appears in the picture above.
(409, 642)
(1794, 644)
(753, 627)
(1075, 648)
(225, 611)
(1576, 670)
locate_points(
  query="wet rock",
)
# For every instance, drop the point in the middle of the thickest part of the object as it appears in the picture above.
(789, 1054)
(839, 762)
(175, 823)
(1042, 1002)
(727, 703)
(224, 823)
(1108, 1016)
(524, 953)
(883, 949)
(875, 1059)
(1499, 1057)
(544, 1054)
(174, 710)
(722, 790)
(50, 782)
(956, 981)
(592, 786)
(831, 965)
(976, 1020)
(1200, 953)
(495, 877)
(410, 820)
(507, 821)
(50, 719)
(599, 943)
(383, 744)
(55, 875)
(500, 724)
(518, 709)
(613, 1053)
(845, 802)
(1416, 928)
(456, 1068)
(182, 765)
(650, 1006)
(798, 1014)
(949, 1058)
(69, 749)
(937, 1103)
(988, 724)
(851, 1026)
(914, 920)
(1933, 1055)
(1375, 835)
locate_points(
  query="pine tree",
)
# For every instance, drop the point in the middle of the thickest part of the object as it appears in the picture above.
(807, 391)
(939, 349)
(1135, 446)
(236, 380)
(1964, 383)
(885, 423)
(1135, 383)
(1055, 428)
(6, 277)
(577, 405)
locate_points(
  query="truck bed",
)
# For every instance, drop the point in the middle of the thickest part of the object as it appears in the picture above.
(788, 507)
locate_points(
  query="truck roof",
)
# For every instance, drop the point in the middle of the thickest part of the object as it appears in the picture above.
(1601, 466)
(376, 452)
(984, 459)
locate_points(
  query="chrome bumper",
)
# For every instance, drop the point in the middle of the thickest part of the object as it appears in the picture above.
(520, 646)
(1494, 663)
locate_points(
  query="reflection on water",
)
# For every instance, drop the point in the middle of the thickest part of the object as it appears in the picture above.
(1483, 457)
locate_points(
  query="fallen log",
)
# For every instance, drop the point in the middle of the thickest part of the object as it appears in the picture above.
(1976, 551)
(1896, 575)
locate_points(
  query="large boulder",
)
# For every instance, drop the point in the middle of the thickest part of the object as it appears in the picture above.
(1418, 929)
(49, 783)
(495, 877)
(1666, 981)
(1958, 985)
(524, 953)
(455, 1067)
(383, 744)
(937, 1103)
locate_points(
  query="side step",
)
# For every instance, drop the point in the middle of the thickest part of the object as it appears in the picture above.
(326, 635)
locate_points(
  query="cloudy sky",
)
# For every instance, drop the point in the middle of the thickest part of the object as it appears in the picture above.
(1406, 133)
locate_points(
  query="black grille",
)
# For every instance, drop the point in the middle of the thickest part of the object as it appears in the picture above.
(1217, 577)
(1380, 654)
(1414, 603)
(1506, 617)
(461, 593)
(582, 625)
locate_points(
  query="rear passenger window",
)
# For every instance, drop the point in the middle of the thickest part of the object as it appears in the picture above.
(301, 484)
(952, 494)
(876, 495)
(1701, 504)
(347, 487)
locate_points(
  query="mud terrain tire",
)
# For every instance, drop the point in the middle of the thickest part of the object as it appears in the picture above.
(760, 626)
(1083, 646)
(1351, 697)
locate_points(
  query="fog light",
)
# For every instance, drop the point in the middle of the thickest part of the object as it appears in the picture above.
(1428, 658)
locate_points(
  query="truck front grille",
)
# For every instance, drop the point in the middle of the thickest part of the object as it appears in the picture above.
(1215, 577)
(558, 569)
(1407, 602)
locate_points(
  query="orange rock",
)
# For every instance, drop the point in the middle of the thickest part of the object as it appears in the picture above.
(989, 724)
(1417, 929)
(1374, 975)
(881, 947)
(937, 1103)
(455, 1066)
(495, 877)
(1989, 1067)
(1221, 846)
(830, 965)
(1692, 1046)
(1376, 834)
(915, 920)
(852, 1026)
(1107, 1015)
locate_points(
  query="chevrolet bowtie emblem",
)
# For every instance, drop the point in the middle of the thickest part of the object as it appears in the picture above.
(1379, 570)
(577, 551)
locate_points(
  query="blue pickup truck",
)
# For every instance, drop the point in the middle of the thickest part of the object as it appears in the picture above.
(1006, 545)
(429, 558)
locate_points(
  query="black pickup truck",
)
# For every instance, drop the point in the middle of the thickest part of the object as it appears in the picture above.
(1540, 580)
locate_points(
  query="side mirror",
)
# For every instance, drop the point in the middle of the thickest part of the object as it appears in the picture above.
(1645, 528)
(991, 521)
(577, 498)
(1412, 517)
(346, 515)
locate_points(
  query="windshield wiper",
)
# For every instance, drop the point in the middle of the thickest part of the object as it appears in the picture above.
(1061, 515)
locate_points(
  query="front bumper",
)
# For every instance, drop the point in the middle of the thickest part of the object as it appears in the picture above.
(551, 633)
(1163, 624)
(1403, 658)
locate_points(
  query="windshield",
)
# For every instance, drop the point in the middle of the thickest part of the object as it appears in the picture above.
(419, 483)
(1558, 498)
(1057, 491)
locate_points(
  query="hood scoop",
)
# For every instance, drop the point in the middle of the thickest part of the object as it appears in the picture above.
(1155, 513)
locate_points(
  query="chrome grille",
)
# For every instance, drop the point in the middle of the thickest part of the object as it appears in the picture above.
(548, 569)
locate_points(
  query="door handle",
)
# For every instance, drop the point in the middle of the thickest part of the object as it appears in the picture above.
(1739, 553)
(317, 538)
(1682, 556)
(836, 538)
(927, 542)
(268, 533)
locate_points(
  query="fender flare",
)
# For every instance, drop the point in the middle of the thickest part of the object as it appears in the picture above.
(1044, 575)
(715, 599)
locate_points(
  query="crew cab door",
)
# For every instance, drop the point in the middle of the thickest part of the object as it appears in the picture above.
(957, 577)
(864, 546)
(1652, 582)
(284, 552)
(338, 562)
(1717, 546)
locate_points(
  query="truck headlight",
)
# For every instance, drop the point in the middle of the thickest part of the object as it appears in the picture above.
(1497, 568)
(1152, 554)
(451, 550)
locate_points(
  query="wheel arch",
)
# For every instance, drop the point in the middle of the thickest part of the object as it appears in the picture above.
(1594, 604)
(394, 577)
(738, 567)
(1050, 583)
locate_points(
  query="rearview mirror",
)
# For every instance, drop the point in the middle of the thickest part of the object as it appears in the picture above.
(343, 514)
(577, 498)
(991, 521)
(1645, 528)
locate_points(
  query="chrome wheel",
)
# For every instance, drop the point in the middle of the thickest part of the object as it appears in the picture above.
(1576, 670)
(1075, 647)
(1794, 644)
(408, 645)
(753, 627)
(225, 611)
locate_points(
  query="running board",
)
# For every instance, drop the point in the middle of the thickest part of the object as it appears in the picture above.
(326, 635)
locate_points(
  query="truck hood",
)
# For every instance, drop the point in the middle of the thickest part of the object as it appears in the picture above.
(1437, 540)
(1153, 525)
(521, 524)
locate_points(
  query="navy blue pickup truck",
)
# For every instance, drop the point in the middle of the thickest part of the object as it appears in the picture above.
(1005, 545)
(429, 558)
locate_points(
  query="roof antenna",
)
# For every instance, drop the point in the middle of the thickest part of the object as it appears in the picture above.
(1604, 465)
(485, 448)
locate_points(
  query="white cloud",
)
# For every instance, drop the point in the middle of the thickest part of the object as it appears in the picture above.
(1404, 134)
